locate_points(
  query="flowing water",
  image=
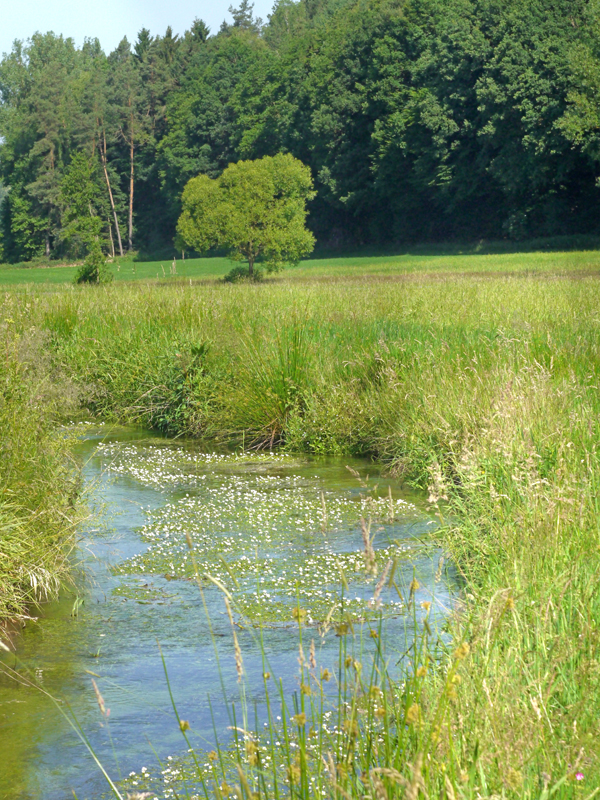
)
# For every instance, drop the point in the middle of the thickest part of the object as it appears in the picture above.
(277, 531)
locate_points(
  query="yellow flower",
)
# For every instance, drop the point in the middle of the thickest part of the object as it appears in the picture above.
(299, 719)
(412, 715)
(294, 771)
(325, 675)
(299, 614)
(252, 753)
(421, 672)
(462, 651)
(212, 756)
(184, 725)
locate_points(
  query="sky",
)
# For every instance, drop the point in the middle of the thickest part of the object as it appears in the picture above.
(110, 20)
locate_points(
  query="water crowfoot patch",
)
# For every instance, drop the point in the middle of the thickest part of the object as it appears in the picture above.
(273, 530)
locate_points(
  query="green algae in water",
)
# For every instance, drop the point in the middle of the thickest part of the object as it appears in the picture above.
(268, 530)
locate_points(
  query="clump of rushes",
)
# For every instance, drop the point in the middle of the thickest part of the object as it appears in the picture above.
(483, 387)
(38, 484)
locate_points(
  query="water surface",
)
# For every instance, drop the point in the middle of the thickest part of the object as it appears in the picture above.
(275, 531)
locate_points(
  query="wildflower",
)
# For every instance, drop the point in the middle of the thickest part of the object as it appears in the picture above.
(305, 689)
(412, 715)
(225, 788)
(579, 776)
(426, 605)
(325, 675)
(184, 725)
(374, 635)
(212, 756)
(421, 672)
(299, 719)
(266, 675)
(510, 604)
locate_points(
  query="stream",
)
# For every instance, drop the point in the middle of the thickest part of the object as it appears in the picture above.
(276, 531)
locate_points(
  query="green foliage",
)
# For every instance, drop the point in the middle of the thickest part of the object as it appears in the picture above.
(240, 273)
(419, 120)
(81, 196)
(255, 209)
(37, 483)
(94, 269)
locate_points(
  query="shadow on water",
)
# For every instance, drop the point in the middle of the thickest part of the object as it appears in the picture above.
(282, 525)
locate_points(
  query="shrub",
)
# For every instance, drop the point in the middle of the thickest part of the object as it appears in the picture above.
(94, 269)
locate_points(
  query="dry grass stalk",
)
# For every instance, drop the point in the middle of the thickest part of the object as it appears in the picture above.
(369, 553)
(375, 601)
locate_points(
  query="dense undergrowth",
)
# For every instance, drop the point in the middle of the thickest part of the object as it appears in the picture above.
(38, 485)
(482, 389)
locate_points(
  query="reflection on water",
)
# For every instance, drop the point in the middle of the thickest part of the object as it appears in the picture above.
(274, 529)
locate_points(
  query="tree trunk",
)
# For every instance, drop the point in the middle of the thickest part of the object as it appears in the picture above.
(47, 245)
(251, 266)
(130, 241)
(112, 244)
(110, 194)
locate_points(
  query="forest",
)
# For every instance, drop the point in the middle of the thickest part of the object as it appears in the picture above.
(420, 120)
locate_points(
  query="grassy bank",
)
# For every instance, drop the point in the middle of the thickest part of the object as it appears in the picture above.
(37, 481)
(479, 384)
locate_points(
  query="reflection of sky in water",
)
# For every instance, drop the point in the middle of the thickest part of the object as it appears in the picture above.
(268, 510)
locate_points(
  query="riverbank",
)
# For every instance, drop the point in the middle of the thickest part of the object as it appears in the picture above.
(481, 388)
(38, 484)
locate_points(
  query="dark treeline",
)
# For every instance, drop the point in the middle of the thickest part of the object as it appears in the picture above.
(420, 120)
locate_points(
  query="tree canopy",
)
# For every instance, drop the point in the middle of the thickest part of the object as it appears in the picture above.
(256, 210)
(419, 120)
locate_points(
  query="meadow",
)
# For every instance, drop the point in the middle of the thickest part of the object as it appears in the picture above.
(473, 377)
(546, 255)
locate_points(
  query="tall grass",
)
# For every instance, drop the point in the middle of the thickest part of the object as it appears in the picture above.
(37, 481)
(482, 389)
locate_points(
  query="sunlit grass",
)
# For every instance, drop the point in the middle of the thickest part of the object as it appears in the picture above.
(476, 379)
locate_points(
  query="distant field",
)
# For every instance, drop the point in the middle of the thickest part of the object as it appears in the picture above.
(347, 266)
